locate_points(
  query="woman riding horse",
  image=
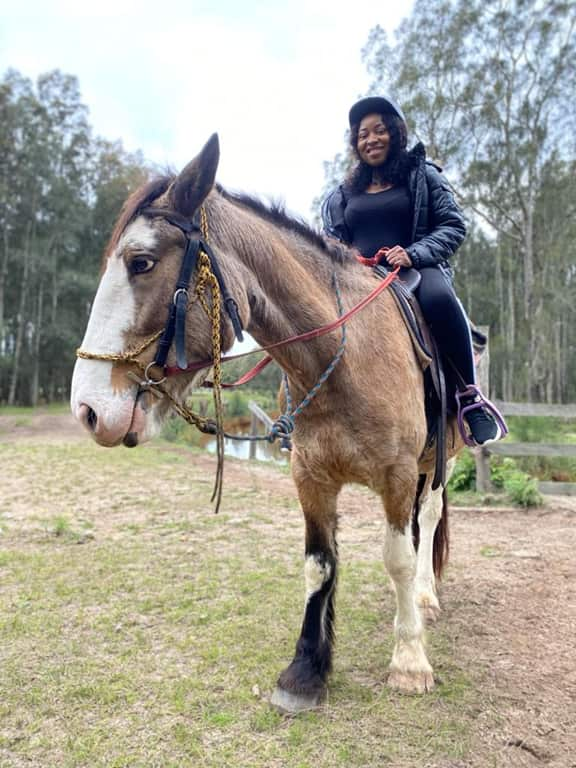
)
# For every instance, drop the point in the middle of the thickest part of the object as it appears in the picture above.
(396, 203)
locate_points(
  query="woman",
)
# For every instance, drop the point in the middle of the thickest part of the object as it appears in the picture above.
(396, 201)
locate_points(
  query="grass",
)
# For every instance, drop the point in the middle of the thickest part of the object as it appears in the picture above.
(151, 641)
(27, 411)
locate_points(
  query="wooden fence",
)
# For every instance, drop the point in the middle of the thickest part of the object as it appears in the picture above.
(505, 448)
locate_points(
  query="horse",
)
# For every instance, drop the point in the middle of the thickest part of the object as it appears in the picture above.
(366, 423)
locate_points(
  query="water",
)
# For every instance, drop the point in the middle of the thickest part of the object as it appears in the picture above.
(240, 449)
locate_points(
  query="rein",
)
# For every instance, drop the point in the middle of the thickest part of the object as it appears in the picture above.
(307, 336)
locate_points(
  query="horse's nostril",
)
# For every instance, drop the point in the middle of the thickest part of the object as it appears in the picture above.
(91, 420)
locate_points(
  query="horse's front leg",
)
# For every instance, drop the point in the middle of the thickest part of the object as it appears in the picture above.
(410, 670)
(302, 685)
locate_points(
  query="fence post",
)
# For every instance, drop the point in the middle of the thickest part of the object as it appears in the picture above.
(482, 454)
(253, 433)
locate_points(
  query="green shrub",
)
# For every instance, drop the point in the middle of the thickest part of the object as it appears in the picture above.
(522, 489)
(236, 404)
(464, 475)
(500, 468)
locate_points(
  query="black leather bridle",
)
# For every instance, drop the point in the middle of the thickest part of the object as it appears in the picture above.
(175, 328)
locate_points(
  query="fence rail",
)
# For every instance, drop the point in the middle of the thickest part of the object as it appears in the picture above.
(561, 411)
(505, 448)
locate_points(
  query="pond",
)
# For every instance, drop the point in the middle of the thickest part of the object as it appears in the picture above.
(240, 449)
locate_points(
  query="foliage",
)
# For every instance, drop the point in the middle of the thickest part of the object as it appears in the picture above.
(505, 474)
(60, 191)
(464, 475)
(522, 489)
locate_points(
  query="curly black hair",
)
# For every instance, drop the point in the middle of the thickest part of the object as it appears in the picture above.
(396, 167)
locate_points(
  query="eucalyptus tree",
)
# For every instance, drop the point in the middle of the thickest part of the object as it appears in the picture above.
(60, 192)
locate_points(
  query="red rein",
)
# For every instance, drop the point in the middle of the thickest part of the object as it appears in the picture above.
(314, 334)
(375, 260)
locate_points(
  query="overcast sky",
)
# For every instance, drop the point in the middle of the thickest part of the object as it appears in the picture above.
(274, 78)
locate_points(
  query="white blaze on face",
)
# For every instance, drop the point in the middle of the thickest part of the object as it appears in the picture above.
(113, 313)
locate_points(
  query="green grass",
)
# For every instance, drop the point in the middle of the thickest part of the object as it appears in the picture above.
(150, 642)
(27, 411)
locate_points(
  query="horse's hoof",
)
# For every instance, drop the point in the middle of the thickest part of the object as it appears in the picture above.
(288, 703)
(411, 682)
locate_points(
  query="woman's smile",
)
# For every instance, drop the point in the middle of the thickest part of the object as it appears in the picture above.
(373, 140)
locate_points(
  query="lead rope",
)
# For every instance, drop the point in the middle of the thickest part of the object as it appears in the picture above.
(207, 279)
(206, 276)
(284, 425)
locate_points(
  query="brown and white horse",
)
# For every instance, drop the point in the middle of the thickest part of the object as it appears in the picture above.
(366, 425)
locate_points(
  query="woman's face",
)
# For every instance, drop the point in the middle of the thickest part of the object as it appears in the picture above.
(373, 140)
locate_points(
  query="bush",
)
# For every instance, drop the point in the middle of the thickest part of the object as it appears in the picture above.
(464, 475)
(522, 489)
(500, 469)
(505, 474)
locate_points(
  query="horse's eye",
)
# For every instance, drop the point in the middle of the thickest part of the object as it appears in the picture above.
(141, 264)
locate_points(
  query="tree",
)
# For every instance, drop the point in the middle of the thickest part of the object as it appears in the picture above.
(60, 192)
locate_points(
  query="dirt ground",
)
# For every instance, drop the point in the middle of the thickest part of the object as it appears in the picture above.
(508, 599)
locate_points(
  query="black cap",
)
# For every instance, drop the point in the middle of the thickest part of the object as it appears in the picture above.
(374, 105)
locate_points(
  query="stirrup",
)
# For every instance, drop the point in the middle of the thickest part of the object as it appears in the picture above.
(480, 402)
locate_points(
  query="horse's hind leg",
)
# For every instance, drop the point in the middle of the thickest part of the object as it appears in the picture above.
(410, 670)
(302, 685)
(432, 545)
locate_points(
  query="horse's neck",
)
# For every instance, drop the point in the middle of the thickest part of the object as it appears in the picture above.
(288, 287)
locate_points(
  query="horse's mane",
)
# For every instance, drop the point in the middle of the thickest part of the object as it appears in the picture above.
(275, 213)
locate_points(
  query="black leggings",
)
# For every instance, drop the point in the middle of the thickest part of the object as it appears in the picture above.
(447, 320)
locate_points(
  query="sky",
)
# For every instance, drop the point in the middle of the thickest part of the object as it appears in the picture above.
(274, 78)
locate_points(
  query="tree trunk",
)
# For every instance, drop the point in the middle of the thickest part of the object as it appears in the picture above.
(21, 323)
(3, 276)
(35, 382)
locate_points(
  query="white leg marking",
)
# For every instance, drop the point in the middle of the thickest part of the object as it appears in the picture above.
(430, 514)
(316, 573)
(428, 519)
(409, 669)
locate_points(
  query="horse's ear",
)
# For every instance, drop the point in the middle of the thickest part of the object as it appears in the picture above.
(194, 182)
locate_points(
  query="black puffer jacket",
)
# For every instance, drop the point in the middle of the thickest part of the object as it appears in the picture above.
(437, 226)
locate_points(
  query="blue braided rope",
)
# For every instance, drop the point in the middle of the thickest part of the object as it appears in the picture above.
(284, 425)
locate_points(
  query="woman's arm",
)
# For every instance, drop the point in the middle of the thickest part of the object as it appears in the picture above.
(446, 229)
(332, 213)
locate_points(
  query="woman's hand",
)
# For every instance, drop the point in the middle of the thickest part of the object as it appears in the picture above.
(397, 257)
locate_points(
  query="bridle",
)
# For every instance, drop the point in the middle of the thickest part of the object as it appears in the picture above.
(198, 256)
(196, 234)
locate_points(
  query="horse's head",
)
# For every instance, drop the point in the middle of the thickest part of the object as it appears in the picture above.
(141, 268)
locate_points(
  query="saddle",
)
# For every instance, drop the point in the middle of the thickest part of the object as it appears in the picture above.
(440, 382)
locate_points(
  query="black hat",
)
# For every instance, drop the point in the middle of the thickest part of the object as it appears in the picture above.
(374, 105)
